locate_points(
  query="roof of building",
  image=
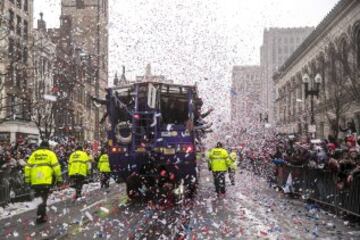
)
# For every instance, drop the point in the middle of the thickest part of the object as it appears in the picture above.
(330, 17)
(287, 29)
(245, 67)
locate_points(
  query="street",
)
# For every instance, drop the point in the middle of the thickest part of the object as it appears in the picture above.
(250, 210)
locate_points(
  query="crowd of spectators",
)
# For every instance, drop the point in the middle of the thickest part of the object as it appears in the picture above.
(341, 157)
(16, 154)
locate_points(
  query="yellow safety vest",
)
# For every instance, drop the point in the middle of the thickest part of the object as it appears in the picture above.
(79, 162)
(234, 160)
(41, 168)
(219, 160)
(103, 164)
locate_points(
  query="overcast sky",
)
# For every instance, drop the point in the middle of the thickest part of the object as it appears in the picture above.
(189, 40)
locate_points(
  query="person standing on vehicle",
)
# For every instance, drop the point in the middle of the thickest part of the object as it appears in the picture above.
(79, 169)
(219, 164)
(104, 168)
(233, 166)
(41, 172)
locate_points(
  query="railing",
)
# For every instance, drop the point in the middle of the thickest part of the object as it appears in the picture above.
(4, 188)
(320, 186)
(21, 190)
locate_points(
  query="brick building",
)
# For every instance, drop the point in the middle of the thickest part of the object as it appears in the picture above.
(89, 21)
(74, 84)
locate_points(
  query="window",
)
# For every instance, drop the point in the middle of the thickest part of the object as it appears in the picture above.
(291, 40)
(11, 20)
(18, 50)
(26, 8)
(11, 47)
(25, 30)
(18, 3)
(18, 78)
(18, 25)
(25, 55)
(279, 50)
(285, 40)
(358, 47)
(80, 4)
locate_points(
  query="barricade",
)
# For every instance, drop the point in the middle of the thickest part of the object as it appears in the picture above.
(319, 185)
(4, 188)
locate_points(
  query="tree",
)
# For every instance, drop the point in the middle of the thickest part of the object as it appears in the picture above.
(43, 117)
(349, 58)
(337, 98)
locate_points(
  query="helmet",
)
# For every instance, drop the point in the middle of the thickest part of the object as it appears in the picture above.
(219, 145)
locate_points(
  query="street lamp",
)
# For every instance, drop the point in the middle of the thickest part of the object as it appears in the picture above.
(312, 88)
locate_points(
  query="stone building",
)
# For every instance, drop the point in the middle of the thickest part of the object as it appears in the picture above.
(245, 101)
(149, 77)
(89, 22)
(332, 50)
(16, 71)
(43, 56)
(74, 84)
(278, 45)
(122, 81)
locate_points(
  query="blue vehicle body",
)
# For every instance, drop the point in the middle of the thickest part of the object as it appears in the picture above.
(150, 137)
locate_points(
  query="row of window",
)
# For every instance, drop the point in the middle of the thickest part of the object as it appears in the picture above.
(21, 4)
(286, 49)
(22, 27)
(290, 40)
(17, 52)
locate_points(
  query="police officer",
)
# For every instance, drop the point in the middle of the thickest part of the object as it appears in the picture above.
(233, 166)
(41, 172)
(79, 169)
(219, 163)
(104, 168)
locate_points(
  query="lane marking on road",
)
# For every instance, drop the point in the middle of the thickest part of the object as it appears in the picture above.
(92, 205)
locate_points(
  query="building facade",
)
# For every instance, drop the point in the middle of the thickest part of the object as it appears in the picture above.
(245, 98)
(43, 57)
(89, 30)
(43, 52)
(149, 77)
(16, 71)
(333, 51)
(74, 85)
(278, 45)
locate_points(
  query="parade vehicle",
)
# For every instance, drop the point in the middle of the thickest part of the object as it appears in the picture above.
(151, 137)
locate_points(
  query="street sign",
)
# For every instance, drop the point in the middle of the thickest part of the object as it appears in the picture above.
(51, 98)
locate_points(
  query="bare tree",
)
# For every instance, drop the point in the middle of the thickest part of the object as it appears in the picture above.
(350, 66)
(337, 98)
(43, 116)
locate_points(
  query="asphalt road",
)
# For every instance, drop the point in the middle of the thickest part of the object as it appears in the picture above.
(250, 210)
